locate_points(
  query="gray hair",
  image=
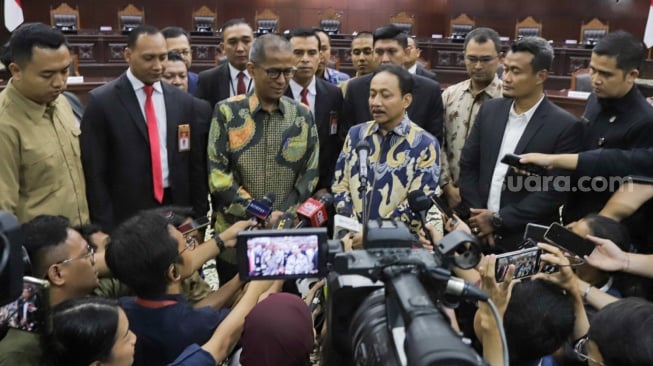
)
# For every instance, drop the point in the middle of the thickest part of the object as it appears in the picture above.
(268, 43)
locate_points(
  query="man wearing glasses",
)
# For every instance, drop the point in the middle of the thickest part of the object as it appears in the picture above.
(262, 141)
(461, 103)
(178, 41)
(60, 255)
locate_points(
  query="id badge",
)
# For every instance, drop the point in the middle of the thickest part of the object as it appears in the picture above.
(333, 123)
(183, 137)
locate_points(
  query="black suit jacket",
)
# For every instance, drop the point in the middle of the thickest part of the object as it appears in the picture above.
(421, 71)
(116, 153)
(426, 109)
(551, 130)
(213, 84)
(328, 105)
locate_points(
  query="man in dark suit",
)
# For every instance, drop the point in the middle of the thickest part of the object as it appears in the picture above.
(178, 40)
(426, 109)
(231, 78)
(412, 55)
(144, 141)
(321, 97)
(502, 202)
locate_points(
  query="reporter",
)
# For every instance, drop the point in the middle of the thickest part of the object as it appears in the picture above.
(609, 257)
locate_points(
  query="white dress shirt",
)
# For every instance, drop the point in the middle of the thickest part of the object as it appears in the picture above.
(233, 80)
(413, 69)
(297, 93)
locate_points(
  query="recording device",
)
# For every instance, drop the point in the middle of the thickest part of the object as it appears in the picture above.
(531, 169)
(197, 224)
(526, 261)
(11, 258)
(261, 209)
(535, 232)
(343, 225)
(286, 221)
(29, 312)
(282, 254)
(363, 151)
(443, 207)
(314, 212)
(568, 240)
(638, 179)
(420, 204)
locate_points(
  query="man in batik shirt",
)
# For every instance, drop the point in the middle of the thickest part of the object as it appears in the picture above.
(403, 157)
(262, 142)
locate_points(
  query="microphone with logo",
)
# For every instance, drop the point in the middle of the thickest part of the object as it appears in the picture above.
(261, 209)
(419, 203)
(313, 212)
(286, 221)
(363, 151)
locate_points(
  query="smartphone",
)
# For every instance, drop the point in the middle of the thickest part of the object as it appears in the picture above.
(640, 179)
(532, 169)
(31, 310)
(282, 254)
(442, 206)
(526, 261)
(568, 240)
(197, 224)
(535, 232)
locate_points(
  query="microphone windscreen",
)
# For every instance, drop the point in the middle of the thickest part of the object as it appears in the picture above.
(418, 201)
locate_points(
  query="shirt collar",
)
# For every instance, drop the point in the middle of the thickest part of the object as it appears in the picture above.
(138, 85)
(493, 89)
(624, 103)
(34, 111)
(255, 105)
(297, 89)
(233, 72)
(401, 129)
(529, 113)
(413, 69)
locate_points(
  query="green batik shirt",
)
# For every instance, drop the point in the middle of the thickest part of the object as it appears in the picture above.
(252, 152)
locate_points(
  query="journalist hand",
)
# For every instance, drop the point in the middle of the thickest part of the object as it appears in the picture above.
(607, 255)
(565, 277)
(229, 235)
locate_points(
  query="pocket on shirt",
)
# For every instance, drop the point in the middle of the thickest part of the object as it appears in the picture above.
(76, 132)
(41, 168)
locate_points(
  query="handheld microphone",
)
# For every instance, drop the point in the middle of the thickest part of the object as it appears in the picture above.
(363, 151)
(419, 203)
(343, 225)
(261, 209)
(314, 212)
(286, 221)
(461, 288)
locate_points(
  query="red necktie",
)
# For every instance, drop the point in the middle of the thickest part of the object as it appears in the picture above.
(304, 95)
(241, 89)
(155, 152)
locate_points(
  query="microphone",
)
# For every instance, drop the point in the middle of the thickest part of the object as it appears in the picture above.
(461, 288)
(286, 221)
(261, 209)
(419, 204)
(363, 151)
(314, 212)
(343, 225)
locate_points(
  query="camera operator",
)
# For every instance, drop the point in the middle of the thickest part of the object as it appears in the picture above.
(60, 255)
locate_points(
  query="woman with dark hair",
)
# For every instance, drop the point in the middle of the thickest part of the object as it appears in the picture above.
(89, 331)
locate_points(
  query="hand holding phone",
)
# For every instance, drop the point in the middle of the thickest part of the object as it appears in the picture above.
(569, 241)
(30, 311)
(530, 169)
(526, 261)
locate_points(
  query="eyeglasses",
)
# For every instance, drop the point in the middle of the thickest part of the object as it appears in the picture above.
(274, 73)
(580, 348)
(88, 255)
(483, 59)
(183, 51)
(191, 243)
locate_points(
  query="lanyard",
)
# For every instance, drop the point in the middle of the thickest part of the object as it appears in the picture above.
(233, 90)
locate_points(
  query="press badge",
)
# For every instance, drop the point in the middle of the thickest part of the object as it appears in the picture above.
(333, 124)
(183, 137)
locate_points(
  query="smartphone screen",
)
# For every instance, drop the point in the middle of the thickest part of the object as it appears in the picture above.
(570, 241)
(535, 232)
(285, 254)
(526, 261)
(30, 311)
(196, 224)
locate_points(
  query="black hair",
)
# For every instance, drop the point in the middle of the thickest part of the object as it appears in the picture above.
(132, 38)
(623, 332)
(305, 33)
(406, 82)
(175, 215)
(174, 32)
(86, 231)
(607, 228)
(540, 49)
(140, 254)
(391, 31)
(83, 331)
(175, 56)
(30, 35)
(538, 320)
(43, 234)
(232, 22)
(5, 55)
(622, 45)
(364, 34)
(482, 35)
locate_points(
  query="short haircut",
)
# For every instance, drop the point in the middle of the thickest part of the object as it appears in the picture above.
(83, 330)
(175, 215)
(540, 49)
(538, 320)
(43, 234)
(86, 231)
(391, 31)
(175, 56)
(140, 254)
(623, 331)
(305, 33)
(268, 43)
(406, 82)
(232, 22)
(607, 228)
(30, 35)
(5, 55)
(174, 32)
(132, 38)
(364, 34)
(622, 45)
(482, 35)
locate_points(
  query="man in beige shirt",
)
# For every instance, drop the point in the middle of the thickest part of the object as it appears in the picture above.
(40, 166)
(461, 103)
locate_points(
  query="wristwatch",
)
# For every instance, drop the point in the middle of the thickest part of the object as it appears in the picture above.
(220, 243)
(496, 221)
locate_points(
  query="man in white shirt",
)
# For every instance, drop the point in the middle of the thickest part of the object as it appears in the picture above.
(502, 201)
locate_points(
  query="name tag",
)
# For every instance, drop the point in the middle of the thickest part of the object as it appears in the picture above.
(183, 137)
